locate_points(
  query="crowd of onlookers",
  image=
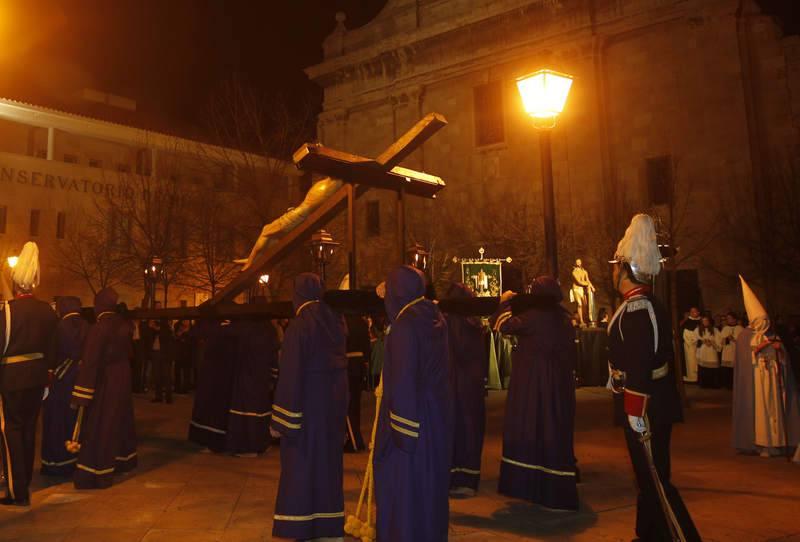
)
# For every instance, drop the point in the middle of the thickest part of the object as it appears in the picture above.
(168, 354)
(710, 345)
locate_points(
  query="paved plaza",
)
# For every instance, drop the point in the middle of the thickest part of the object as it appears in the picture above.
(181, 494)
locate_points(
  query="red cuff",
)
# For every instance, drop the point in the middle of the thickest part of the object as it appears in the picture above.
(635, 403)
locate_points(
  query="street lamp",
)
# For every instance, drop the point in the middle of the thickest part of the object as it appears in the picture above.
(153, 272)
(544, 94)
(418, 256)
(322, 248)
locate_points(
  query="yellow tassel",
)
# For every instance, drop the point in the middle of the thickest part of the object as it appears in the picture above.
(365, 530)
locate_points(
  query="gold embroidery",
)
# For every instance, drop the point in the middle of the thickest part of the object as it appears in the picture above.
(404, 430)
(304, 305)
(81, 388)
(287, 424)
(95, 471)
(317, 515)
(8, 360)
(285, 412)
(126, 458)
(537, 467)
(400, 419)
(254, 414)
(466, 470)
(207, 427)
(59, 463)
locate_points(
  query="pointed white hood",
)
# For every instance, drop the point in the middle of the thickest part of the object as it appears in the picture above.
(752, 305)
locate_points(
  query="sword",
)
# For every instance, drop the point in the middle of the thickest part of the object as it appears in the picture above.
(676, 533)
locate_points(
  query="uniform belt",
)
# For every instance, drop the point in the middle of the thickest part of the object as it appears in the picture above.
(655, 374)
(19, 358)
(661, 372)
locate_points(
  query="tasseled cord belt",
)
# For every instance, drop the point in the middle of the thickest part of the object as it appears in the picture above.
(354, 526)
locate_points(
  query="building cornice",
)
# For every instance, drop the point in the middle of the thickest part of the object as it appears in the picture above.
(44, 117)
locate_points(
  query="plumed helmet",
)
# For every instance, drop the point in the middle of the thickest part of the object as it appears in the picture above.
(638, 248)
(25, 273)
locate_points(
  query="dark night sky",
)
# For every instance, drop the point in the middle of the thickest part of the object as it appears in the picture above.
(173, 55)
(170, 55)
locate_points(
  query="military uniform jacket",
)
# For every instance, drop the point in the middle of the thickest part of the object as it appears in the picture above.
(640, 346)
(30, 352)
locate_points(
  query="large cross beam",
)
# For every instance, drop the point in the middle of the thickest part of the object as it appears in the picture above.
(361, 174)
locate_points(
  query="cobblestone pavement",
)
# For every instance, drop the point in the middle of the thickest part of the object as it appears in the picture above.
(181, 494)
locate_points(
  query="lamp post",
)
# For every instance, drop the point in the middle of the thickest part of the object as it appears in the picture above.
(418, 256)
(322, 248)
(544, 94)
(153, 272)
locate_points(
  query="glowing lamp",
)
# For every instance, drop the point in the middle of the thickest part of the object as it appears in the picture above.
(12, 261)
(418, 256)
(263, 279)
(544, 94)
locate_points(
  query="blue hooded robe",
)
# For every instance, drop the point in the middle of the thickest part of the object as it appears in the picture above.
(58, 419)
(413, 448)
(309, 411)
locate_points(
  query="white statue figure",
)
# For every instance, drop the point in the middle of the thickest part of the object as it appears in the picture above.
(582, 293)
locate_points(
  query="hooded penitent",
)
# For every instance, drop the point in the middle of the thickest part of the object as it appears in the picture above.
(469, 365)
(103, 387)
(638, 248)
(309, 411)
(58, 419)
(413, 446)
(105, 301)
(756, 314)
(538, 462)
(404, 285)
(25, 273)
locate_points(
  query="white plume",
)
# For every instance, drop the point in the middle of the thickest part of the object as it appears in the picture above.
(26, 272)
(639, 246)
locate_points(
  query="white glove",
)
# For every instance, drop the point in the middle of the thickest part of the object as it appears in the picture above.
(637, 424)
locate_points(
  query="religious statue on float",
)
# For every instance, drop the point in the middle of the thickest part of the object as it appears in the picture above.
(582, 294)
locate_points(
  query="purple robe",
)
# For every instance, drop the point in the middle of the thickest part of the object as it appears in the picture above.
(469, 362)
(251, 399)
(538, 462)
(209, 424)
(103, 388)
(309, 411)
(58, 419)
(413, 448)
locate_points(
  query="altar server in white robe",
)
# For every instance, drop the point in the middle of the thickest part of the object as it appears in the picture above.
(707, 341)
(727, 340)
(690, 345)
(776, 407)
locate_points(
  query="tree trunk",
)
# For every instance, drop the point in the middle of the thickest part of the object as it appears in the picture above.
(677, 339)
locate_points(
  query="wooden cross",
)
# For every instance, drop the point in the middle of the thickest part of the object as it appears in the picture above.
(359, 174)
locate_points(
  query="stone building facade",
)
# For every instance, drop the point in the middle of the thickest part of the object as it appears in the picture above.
(58, 169)
(679, 107)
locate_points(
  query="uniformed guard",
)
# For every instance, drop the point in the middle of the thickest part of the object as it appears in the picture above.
(27, 330)
(646, 401)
